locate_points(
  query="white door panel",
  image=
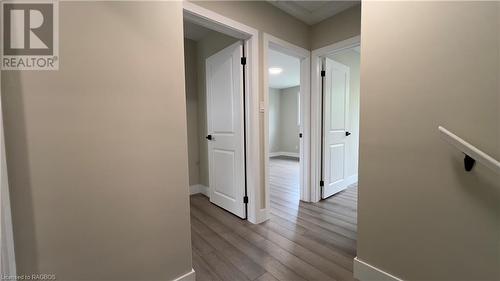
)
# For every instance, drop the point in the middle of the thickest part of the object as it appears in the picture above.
(224, 76)
(336, 112)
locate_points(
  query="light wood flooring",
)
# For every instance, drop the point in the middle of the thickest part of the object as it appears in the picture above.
(301, 241)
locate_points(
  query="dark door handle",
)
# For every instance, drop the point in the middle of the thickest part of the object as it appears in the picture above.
(300, 135)
(209, 137)
(347, 134)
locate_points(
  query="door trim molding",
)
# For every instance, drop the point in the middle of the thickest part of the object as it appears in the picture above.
(305, 74)
(316, 67)
(215, 21)
(364, 271)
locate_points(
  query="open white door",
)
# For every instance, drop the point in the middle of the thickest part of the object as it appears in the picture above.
(225, 124)
(335, 131)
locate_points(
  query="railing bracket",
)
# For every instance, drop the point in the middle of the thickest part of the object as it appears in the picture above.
(469, 163)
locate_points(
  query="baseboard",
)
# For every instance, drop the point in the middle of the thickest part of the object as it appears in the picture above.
(284, 153)
(262, 216)
(198, 188)
(190, 276)
(366, 272)
(351, 180)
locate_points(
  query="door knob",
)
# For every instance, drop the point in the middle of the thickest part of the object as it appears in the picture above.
(209, 137)
(347, 134)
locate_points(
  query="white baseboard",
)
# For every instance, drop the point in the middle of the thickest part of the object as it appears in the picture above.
(366, 272)
(351, 180)
(262, 216)
(190, 276)
(284, 153)
(198, 188)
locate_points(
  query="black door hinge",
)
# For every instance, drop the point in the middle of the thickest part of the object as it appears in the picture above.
(321, 183)
(323, 73)
(243, 60)
(245, 199)
(300, 135)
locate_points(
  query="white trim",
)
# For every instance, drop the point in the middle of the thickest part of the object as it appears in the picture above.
(231, 27)
(198, 188)
(316, 67)
(305, 69)
(190, 276)
(284, 153)
(7, 255)
(366, 272)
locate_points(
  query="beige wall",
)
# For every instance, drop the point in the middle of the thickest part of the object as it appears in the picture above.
(342, 26)
(191, 81)
(421, 216)
(351, 59)
(97, 154)
(264, 17)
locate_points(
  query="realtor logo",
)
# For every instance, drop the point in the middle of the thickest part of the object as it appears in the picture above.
(30, 35)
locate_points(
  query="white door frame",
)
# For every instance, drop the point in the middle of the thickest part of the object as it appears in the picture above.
(215, 21)
(305, 69)
(316, 66)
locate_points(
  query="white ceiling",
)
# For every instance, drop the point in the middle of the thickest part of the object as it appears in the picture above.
(290, 76)
(312, 12)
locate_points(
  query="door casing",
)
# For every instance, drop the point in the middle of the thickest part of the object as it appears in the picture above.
(271, 42)
(250, 36)
(316, 139)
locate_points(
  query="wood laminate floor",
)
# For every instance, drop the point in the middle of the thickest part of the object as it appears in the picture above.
(301, 241)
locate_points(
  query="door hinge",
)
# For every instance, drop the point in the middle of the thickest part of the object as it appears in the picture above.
(300, 135)
(243, 60)
(323, 73)
(245, 199)
(321, 183)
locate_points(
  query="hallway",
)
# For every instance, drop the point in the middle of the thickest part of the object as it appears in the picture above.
(301, 241)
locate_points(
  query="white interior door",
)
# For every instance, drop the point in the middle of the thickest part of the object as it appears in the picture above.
(224, 78)
(335, 134)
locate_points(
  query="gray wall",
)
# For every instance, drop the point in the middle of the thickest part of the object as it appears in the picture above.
(421, 216)
(289, 125)
(96, 152)
(191, 81)
(351, 59)
(274, 120)
(283, 120)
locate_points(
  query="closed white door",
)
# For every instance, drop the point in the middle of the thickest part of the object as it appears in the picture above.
(224, 78)
(335, 131)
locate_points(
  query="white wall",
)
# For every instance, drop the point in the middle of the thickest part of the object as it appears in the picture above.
(351, 59)
(283, 121)
(424, 64)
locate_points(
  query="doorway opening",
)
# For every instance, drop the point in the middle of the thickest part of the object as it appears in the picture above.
(335, 103)
(284, 125)
(222, 111)
(286, 104)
